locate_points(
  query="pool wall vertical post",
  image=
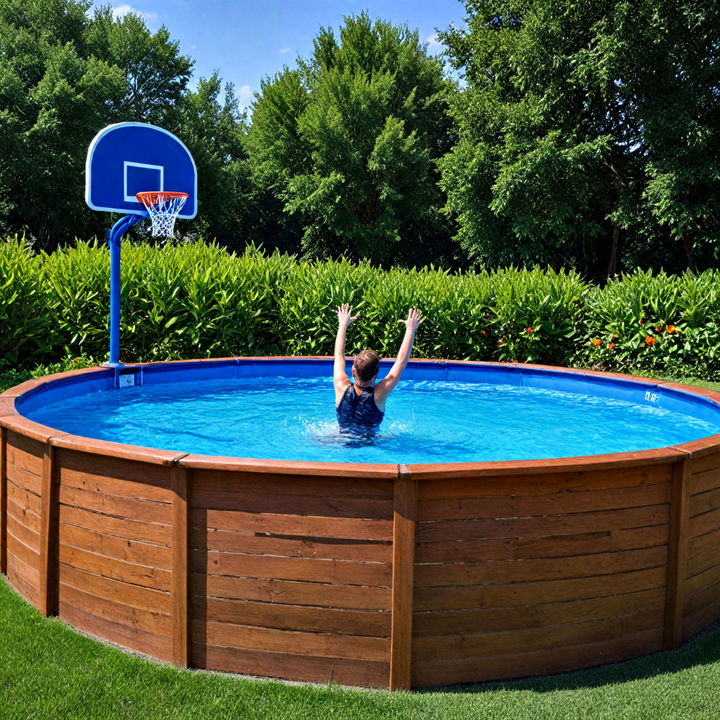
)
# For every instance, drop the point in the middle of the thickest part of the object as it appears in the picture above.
(180, 569)
(677, 555)
(47, 599)
(3, 500)
(403, 559)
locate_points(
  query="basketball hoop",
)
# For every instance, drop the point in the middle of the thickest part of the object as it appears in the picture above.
(163, 208)
(124, 160)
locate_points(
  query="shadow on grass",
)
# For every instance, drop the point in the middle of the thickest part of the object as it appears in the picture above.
(40, 646)
(703, 649)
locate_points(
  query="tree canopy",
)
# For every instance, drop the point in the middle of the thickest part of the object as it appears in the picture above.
(582, 134)
(64, 75)
(212, 126)
(582, 124)
(347, 140)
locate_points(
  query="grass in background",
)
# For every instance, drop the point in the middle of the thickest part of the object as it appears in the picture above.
(706, 384)
(48, 671)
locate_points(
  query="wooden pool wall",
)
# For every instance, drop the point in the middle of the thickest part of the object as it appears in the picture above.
(387, 576)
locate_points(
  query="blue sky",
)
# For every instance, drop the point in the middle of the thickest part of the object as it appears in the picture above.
(247, 40)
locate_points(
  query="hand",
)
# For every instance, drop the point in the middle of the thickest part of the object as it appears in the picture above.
(414, 318)
(345, 316)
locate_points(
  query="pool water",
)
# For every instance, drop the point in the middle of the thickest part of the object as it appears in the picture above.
(285, 418)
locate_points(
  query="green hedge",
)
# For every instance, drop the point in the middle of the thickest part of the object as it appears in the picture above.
(198, 300)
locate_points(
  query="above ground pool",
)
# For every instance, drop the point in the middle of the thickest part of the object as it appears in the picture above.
(506, 521)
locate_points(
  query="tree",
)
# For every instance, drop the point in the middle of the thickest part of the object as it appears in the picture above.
(567, 139)
(156, 74)
(347, 141)
(213, 129)
(59, 85)
(52, 96)
(679, 90)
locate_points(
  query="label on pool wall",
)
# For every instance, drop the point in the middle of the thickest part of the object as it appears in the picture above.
(651, 396)
(126, 380)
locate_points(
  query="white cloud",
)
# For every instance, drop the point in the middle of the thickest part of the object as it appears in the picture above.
(120, 11)
(434, 44)
(284, 51)
(244, 95)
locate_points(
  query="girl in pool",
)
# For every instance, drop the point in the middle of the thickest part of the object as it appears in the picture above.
(360, 405)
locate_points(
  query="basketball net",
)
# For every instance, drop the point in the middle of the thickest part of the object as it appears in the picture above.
(163, 207)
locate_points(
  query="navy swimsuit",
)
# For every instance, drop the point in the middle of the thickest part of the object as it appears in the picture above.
(358, 414)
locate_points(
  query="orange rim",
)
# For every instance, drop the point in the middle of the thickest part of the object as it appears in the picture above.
(154, 196)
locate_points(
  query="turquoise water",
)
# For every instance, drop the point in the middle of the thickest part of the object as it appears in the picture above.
(425, 421)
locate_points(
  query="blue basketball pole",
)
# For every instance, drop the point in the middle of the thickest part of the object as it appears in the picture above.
(118, 230)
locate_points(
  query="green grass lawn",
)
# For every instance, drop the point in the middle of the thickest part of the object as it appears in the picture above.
(690, 381)
(48, 670)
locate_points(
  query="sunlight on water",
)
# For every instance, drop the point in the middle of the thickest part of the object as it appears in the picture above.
(425, 421)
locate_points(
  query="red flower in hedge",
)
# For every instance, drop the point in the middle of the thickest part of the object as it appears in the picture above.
(671, 329)
(642, 320)
(611, 346)
(529, 330)
(659, 328)
(484, 333)
(650, 340)
(501, 342)
(597, 342)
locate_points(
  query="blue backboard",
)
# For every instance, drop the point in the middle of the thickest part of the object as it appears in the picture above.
(131, 157)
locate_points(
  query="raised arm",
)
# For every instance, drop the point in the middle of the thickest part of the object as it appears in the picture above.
(388, 383)
(340, 378)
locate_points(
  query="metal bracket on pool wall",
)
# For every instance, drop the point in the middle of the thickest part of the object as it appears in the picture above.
(127, 378)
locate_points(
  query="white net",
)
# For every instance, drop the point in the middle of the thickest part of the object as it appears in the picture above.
(163, 208)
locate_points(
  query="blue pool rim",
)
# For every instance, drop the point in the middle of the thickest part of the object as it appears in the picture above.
(697, 402)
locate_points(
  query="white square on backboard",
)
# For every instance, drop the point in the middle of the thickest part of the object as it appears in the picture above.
(130, 197)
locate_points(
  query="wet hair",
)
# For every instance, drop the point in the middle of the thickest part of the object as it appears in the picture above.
(366, 365)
